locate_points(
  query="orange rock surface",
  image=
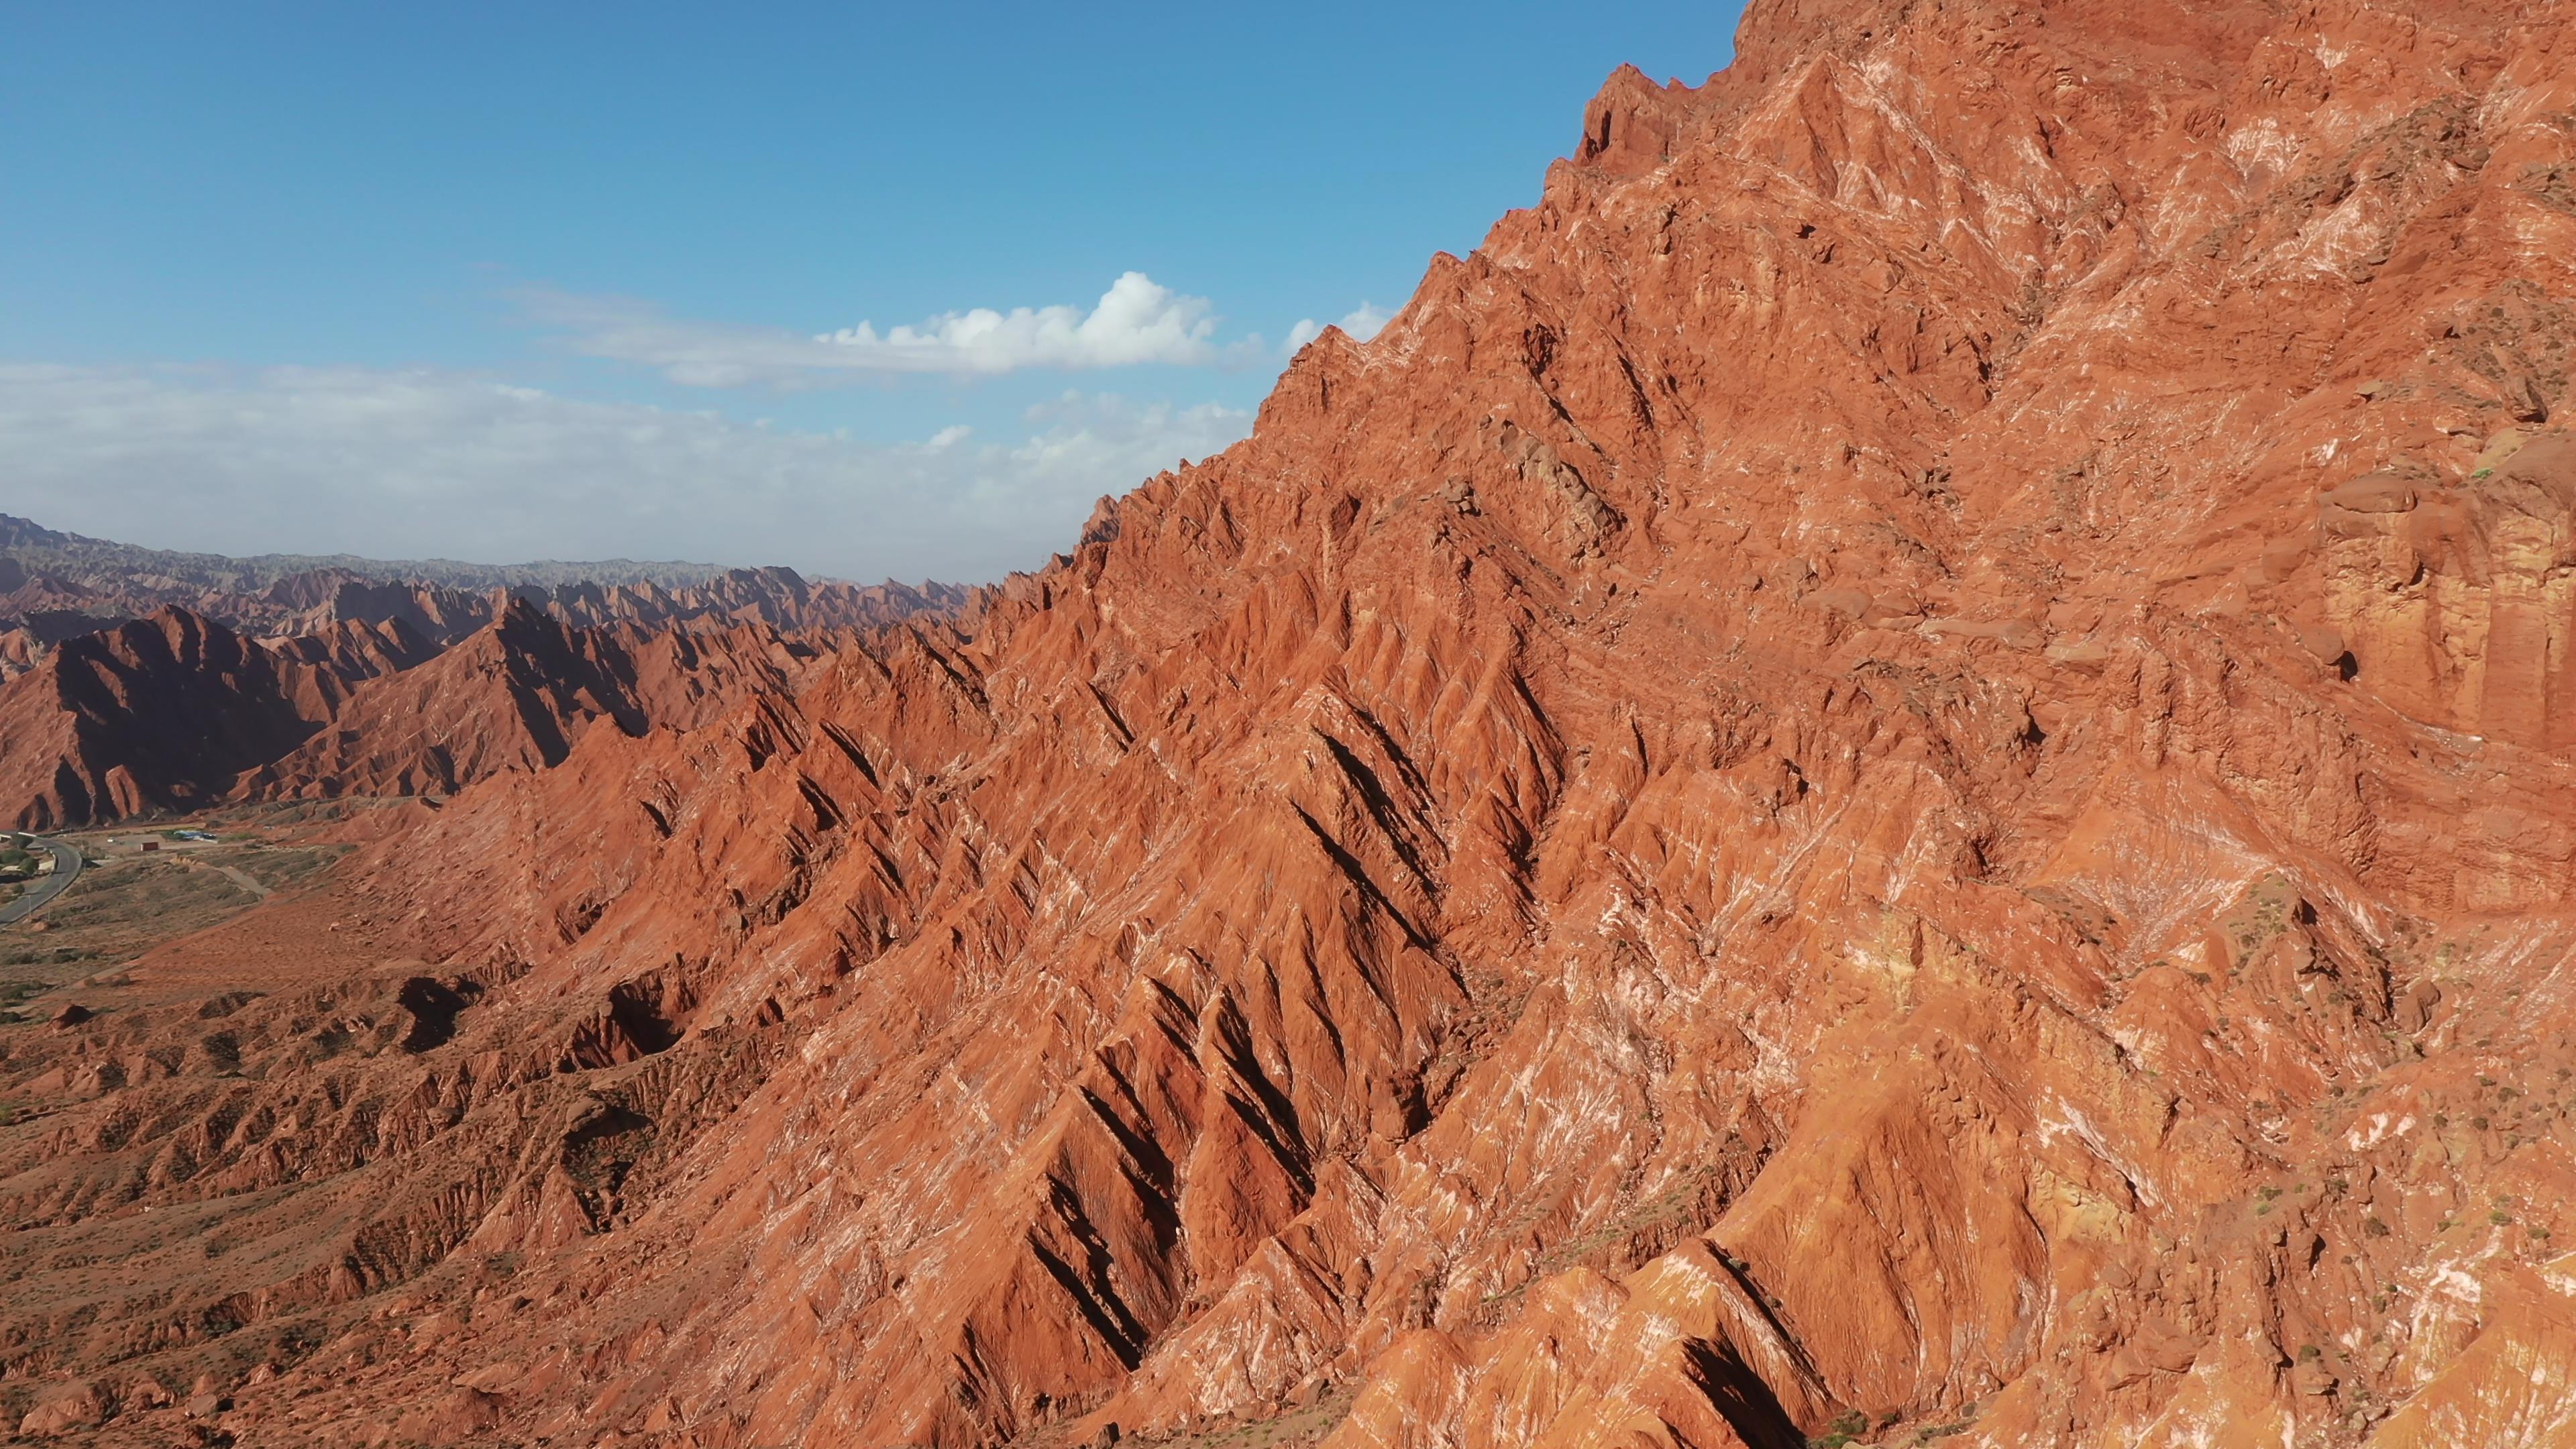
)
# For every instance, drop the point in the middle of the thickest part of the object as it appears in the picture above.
(1893, 771)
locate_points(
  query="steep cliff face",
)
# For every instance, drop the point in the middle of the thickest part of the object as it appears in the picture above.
(1892, 770)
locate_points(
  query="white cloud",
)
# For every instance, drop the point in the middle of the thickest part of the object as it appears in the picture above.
(1361, 322)
(1365, 321)
(1137, 321)
(426, 463)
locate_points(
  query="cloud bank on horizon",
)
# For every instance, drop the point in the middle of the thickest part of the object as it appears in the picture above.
(442, 462)
(1137, 322)
(429, 463)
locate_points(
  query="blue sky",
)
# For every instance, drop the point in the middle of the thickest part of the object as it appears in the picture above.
(509, 281)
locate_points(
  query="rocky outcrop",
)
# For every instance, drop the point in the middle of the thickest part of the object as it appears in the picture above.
(2456, 596)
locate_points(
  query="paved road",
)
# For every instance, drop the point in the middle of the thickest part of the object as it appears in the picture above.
(67, 867)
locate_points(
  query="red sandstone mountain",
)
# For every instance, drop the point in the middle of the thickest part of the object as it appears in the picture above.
(778, 597)
(356, 651)
(518, 695)
(1892, 771)
(79, 760)
(39, 610)
(156, 714)
(177, 712)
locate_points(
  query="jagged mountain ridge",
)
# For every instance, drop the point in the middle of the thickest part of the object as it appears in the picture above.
(57, 586)
(71, 666)
(1891, 770)
(31, 547)
(175, 712)
(414, 736)
(157, 714)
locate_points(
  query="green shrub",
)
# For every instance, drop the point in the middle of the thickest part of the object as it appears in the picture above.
(1842, 1431)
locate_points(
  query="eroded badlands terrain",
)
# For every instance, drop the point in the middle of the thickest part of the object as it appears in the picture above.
(1897, 770)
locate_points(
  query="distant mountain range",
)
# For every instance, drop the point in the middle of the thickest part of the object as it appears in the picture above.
(136, 681)
(36, 549)
(56, 587)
